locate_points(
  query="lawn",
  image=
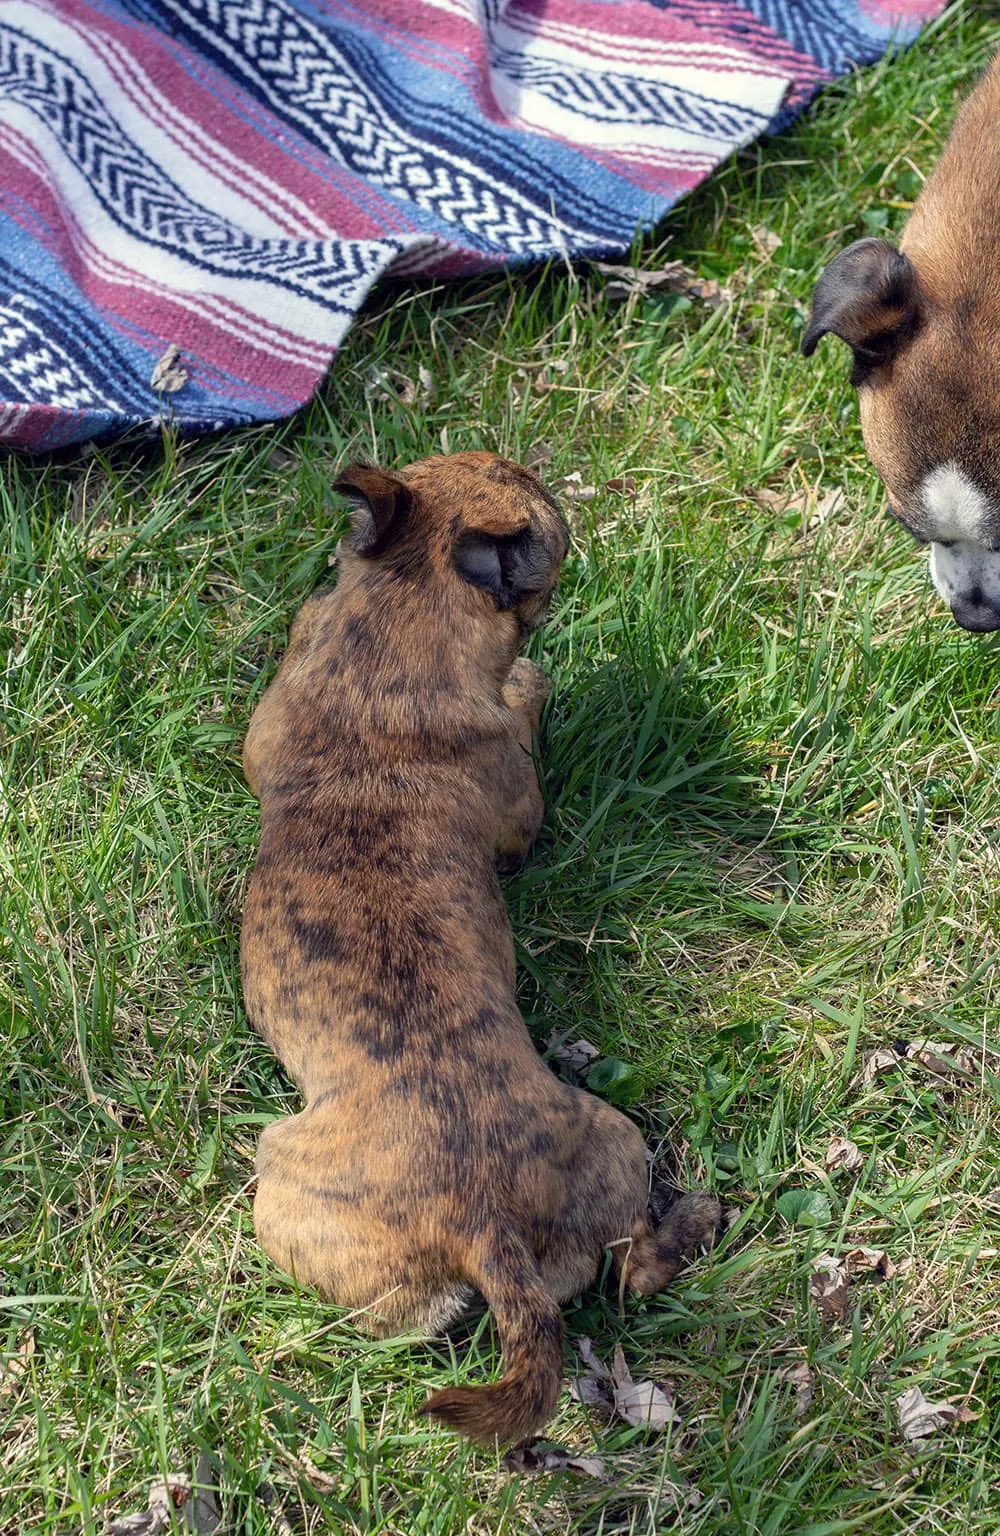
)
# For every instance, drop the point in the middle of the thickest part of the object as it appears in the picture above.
(772, 848)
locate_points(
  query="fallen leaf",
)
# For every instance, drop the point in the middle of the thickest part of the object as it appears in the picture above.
(203, 1511)
(577, 1055)
(314, 1476)
(675, 277)
(552, 1458)
(943, 1059)
(869, 1261)
(812, 505)
(885, 1059)
(621, 485)
(168, 376)
(13, 1369)
(919, 1418)
(765, 239)
(833, 1274)
(587, 1389)
(165, 1498)
(825, 506)
(828, 1287)
(592, 1361)
(843, 1155)
(391, 384)
(779, 501)
(640, 1402)
(593, 1386)
(801, 1378)
(573, 488)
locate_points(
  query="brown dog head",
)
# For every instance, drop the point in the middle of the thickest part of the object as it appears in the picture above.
(470, 522)
(923, 323)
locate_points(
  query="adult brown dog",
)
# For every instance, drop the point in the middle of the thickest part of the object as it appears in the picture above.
(924, 326)
(437, 1155)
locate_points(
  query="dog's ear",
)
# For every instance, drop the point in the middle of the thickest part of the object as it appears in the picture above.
(509, 566)
(869, 296)
(380, 503)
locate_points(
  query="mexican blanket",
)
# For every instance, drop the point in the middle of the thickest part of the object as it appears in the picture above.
(196, 196)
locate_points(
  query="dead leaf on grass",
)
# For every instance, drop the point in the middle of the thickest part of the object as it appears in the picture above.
(813, 505)
(945, 1060)
(203, 1512)
(824, 507)
(13, 1369)
(314, 1476)
(800, 1377)
(169, 376)
(765, 239)
(391, 384)
(538, 1457)
(571, 486)
(828, 1287)
(593, 1386)
(675, 277)
(577, 1055)
(640, 1402)
(884, 1059)
(779, 501)
(590, 1391)
(621, 485)
(165, 1498)
(869, 1261)
(842, 1155)
(919, 1418)
(195, 1508)
(832, 1275)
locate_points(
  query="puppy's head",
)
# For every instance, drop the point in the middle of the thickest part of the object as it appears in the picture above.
(473, 527)
(927, 372)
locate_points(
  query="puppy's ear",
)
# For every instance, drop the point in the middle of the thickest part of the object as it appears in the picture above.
(380, 503)
(509, 566)
(869, 296)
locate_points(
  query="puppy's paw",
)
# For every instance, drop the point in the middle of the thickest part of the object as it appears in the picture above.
(693, 1224)
(527, 688)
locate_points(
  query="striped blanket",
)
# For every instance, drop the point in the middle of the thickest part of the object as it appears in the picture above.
(197, 195)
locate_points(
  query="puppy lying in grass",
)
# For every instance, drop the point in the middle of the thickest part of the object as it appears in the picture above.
(436, 1156)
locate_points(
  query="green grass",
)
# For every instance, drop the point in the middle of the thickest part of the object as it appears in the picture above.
(772, 844)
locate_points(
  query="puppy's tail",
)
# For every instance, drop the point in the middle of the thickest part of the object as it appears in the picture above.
(529, 1322)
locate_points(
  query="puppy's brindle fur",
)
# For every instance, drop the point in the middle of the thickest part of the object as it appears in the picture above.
(924, 326)
(436, 1156)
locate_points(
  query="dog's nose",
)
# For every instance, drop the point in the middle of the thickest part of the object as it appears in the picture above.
(973, 611)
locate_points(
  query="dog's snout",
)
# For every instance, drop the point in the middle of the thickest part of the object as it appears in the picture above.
(973, 611)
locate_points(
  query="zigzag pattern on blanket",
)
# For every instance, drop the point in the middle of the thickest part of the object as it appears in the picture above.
(332, 93)
(232, 176)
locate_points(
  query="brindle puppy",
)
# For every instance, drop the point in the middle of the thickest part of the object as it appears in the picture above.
(437, 1155)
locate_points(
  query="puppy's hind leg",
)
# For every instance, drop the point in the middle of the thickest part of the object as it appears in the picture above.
(520, 805)
(655, 1254)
